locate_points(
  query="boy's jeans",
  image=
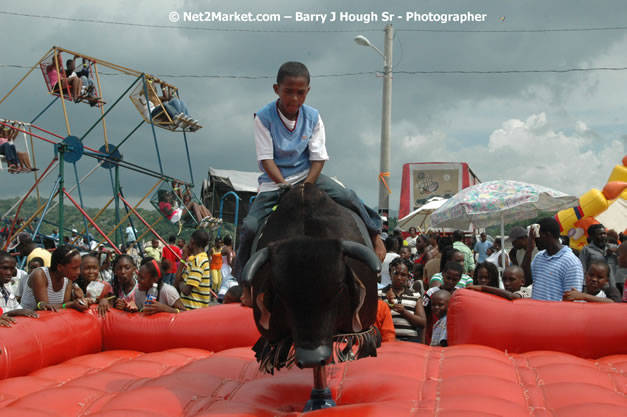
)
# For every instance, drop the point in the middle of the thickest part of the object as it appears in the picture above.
(262, 207)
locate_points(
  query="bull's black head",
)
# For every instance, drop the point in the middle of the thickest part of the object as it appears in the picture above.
(313, 289)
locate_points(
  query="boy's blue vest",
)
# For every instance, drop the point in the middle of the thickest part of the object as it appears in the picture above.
(291, 148)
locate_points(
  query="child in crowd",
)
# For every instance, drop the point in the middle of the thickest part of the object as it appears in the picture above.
(417, 273)
(53, 288)
(496, 257)
(200, 212)
(124, 283)
(34, 263)
(513, 280)
(439, 307)
(168, 206)
(406, 307)
(94, 288)
(9, 305)
(451, 275)
(422, 255)
(228, 260)
(170, 255)
(451, 255)
(486, 273)
(193, 279)
(216, 265)
(290, 143)
(153, 251)
(168, 299)
(233, 295)
(104, 258)
(405, 252)
(596, 277)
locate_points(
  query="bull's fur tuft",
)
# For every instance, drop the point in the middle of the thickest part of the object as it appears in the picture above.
(346, 347)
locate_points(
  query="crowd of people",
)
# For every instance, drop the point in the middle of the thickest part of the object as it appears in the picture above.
(421, 272)
(186, 276)
(419, 275)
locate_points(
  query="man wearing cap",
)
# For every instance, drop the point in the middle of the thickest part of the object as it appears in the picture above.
(26, 247)
(519, 255)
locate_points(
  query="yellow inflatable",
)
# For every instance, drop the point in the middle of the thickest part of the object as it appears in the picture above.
(574, 222)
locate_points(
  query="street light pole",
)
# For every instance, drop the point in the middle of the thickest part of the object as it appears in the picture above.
(386, 117)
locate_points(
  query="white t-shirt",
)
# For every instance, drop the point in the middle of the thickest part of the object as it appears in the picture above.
(495, 259)
(130, 234)
(411, 242)
(167, 295)
(265, 150)
(17, 282)
(8, 302)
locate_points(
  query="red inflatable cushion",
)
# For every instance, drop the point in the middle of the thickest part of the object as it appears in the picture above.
(406, 379)
(588, 330)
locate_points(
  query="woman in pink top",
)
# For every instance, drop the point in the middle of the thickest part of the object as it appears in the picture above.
(75, 83)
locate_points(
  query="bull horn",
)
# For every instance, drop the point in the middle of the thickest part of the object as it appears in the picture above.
(361, 253)
(254, 264)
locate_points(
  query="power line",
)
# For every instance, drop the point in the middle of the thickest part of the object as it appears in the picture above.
(111, 22)
(353, 74)
(593, 29)
(360, 29)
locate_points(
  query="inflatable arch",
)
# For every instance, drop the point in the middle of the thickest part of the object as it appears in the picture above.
(529, 358)
(574, 222)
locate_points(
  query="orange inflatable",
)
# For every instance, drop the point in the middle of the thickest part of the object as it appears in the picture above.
(574, 221)
(406, 379)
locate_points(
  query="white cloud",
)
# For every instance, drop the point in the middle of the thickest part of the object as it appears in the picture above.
(528, 150)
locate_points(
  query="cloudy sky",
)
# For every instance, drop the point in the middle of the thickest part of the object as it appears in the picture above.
(564, 130)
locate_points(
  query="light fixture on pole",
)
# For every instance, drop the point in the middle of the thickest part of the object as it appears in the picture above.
(386, 116)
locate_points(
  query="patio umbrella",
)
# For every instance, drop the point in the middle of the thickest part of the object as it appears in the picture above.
(420, 218)
(494, 202)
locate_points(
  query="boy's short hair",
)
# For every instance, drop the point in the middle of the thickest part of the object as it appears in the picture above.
(602, 264)
(172, 239)
(235, 292)
(441, 293)
(201, 238)
(292, 69)
(551, 226)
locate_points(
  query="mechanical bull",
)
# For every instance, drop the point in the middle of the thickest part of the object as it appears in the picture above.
(313, 287)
